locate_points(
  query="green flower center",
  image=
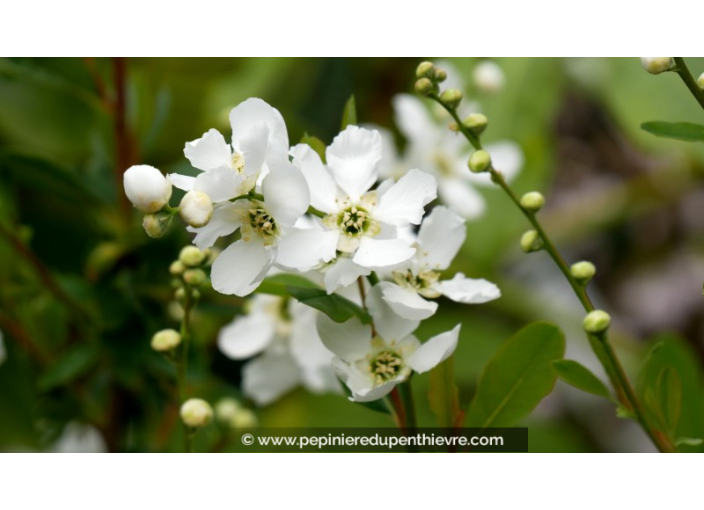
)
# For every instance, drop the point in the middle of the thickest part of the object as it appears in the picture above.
(354, 221)
(386, 366)
(421, 282)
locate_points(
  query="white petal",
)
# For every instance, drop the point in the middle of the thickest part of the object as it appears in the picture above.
(255, 111)
(343, 272)
(377, 392)
(462, 197)
(441, 236)
(404, 202)
(389, 325)
(285, 192)
(269, 377)
(407, 303)
(303, 249)
(434, 351)
(254, 147)
(79, 438)
(353, 158)
(247, 335)
(184, 182)
(221, 184)
(349, 341)
(226, 218)
(373, 253)
(323, 189)
(241, 267)
(468, 290)
(209, 152)
(414, 121)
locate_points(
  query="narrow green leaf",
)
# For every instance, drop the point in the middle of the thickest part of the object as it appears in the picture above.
(669, 390)
(336, 307)
(518, 377)
(580, 377)
(276, 285)
(685, 131)
(349, 113)
(443, 395)
(689, 441)
(73, 364)
(316, 144)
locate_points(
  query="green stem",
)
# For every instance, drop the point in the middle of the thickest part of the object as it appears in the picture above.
(606, 354)
(182, 363)
(409, 405)
(683, 71)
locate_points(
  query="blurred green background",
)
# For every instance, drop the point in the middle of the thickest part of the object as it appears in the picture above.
(82, 288)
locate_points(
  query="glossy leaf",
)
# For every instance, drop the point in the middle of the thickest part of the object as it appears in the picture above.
(443, 395)
(276, 285)
(579, 376)
(336, 307)
(685, 131)
(518, 377)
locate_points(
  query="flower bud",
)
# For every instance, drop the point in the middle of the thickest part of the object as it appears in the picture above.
(596, 322)
(531, 241)
(191, 256)
(656, 65)
(583, 271)
(194, 277)
(196, 413)
(479, 161)
(156, 224)
(147, 188)
(424, 87)
(177, 268)
(476, 123)
(532, 201)
(226, 409)
(425, 70)
(196, 208)
(700, 81)
(165, 340)
(440, 75)
(245, 419)
(451, 98)
(488, 76)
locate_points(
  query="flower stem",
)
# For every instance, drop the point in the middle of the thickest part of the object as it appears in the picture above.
(409, 405)
(601, 346)
(182, 364)
(683, 71)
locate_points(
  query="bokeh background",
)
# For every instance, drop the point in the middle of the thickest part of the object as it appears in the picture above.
(82, 288)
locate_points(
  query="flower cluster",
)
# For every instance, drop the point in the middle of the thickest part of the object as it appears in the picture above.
(339, 219)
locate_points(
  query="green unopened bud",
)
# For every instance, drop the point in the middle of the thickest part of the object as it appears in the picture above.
(440, 75)
(454, 127)
(424, 86)
(583, 271)
(166, 340)
(700, 81)
(425, 70)
(196, 413)
(226, 409)
(245, 419)
(532, 201)
(177, 268)
(479, 161)
(451, 98)
(531, 241)
(657, 65)
(191, 256)
(596, 322)
(194, 277)
(476, 123)
(156, 224)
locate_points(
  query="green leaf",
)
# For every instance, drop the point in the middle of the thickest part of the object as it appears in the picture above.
(685, 131)
(689, 441)
(518, 377)
(316, 144)
(336, 307)
(443, 395)
(580, 377)
(349, 113)
(276, 285)
(73, 364)
(669, 390)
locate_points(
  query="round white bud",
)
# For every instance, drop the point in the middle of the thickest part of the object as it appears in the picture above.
(656, 65)
(196, 413)
(583, 271)
(488, 76)
(165, 340)
(596, 322)
(147, 188)
(191, 256)
(196, 208)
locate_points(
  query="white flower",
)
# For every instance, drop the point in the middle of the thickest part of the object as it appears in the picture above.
(196, 208)
(488, 76)
(371, 366)
(290, 352)
(433, 148)
(147, 188)
(657, 65)
(79, 438)
(440, 237)
(360, 224)
(258, 136)
(241, 267)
